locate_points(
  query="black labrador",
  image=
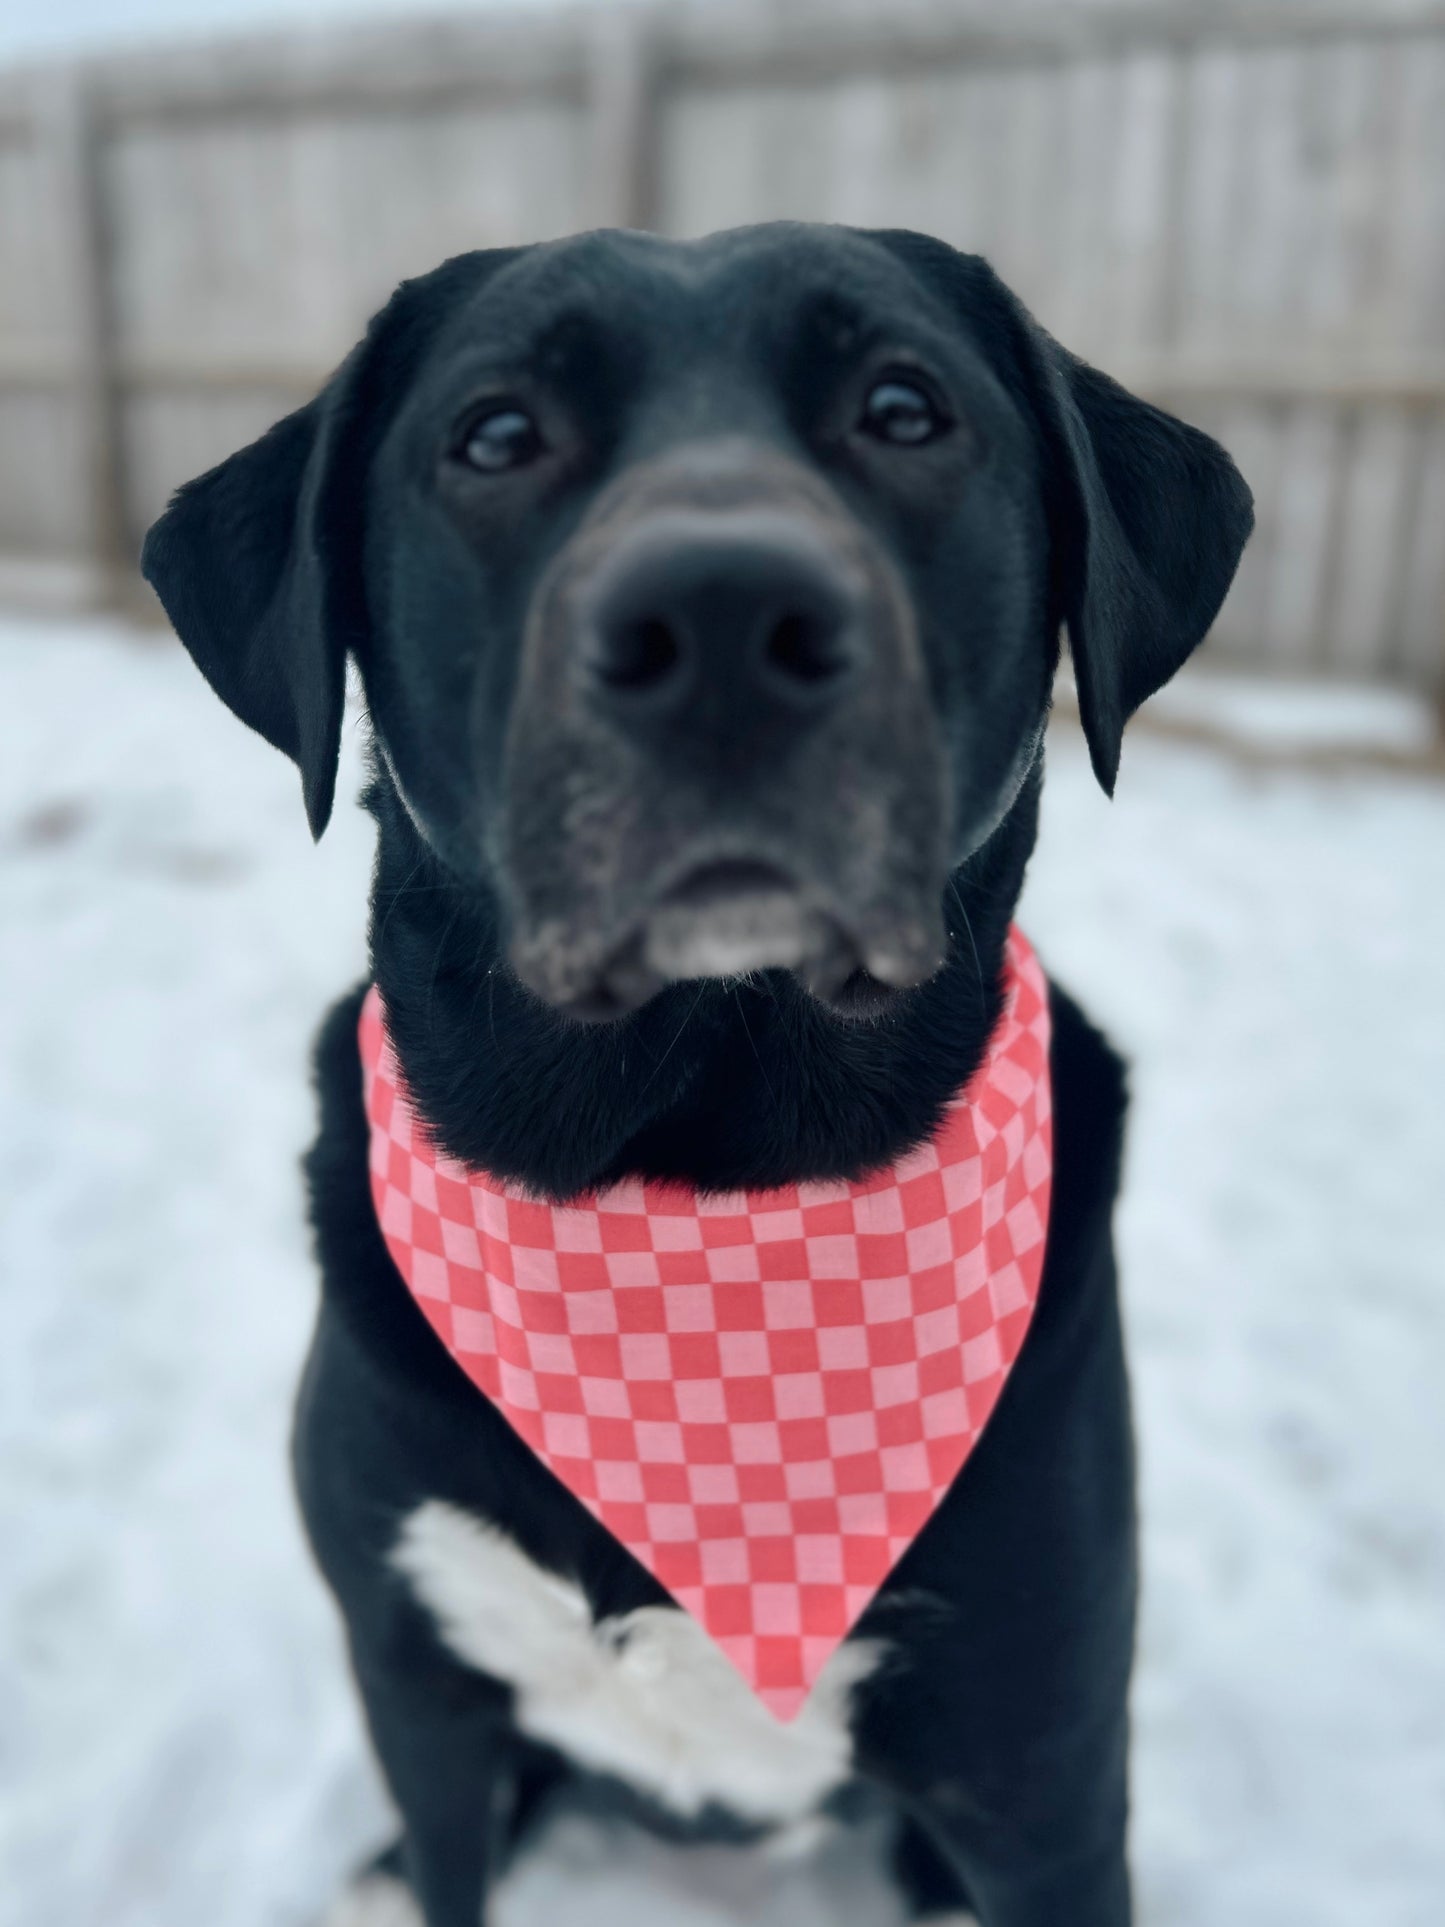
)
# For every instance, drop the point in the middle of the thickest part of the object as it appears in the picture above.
(707, 599)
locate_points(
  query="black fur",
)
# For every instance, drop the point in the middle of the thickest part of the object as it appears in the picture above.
(998, 1734)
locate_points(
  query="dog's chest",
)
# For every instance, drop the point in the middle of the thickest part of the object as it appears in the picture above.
(648, 1697)
(763, 1395)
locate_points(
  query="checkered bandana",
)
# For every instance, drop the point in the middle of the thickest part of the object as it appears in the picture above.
(765, 1394)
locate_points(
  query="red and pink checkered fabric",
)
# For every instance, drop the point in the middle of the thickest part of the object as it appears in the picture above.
(764, 1395)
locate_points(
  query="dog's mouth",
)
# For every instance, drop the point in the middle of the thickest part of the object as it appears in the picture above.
(729, 917)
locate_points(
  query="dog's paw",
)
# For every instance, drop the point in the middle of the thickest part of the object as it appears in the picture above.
(375, 1900)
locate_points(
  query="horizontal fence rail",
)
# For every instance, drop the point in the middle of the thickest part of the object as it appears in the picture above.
(1239, 210)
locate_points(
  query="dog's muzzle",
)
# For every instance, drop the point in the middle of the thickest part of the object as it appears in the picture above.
(722, 755)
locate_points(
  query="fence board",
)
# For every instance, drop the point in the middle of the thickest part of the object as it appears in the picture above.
(1421, 642)
(1255, 432)
(276, 241)
(31, 304)
(1359, 628)
(42, 475)
(1308, 510)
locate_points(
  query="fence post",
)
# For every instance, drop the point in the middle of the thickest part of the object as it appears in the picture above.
(74, 139)
(622, 104)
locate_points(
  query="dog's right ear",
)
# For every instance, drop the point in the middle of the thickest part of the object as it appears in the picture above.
(255, 563)
(258, 562)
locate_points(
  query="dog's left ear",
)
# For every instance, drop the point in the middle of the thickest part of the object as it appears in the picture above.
(1147, 516)
(246, 562)
(1150, 518)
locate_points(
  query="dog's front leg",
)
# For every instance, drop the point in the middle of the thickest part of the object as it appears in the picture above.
(1046, 1852)
(1002, 1726)
(443, 1732)
(1032, 1827)
(453, 1761)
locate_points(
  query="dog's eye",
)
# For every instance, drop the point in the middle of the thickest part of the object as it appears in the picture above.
(505, 438)
(899, 412)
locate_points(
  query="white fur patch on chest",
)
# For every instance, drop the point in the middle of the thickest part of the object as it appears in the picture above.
(646, 1696)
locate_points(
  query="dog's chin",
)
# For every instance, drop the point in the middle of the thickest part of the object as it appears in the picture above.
(728, 920)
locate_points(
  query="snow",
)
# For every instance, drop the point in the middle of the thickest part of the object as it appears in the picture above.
(1292, 715)
(178, 1741)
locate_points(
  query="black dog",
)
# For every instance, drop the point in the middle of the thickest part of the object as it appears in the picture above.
(707, 599)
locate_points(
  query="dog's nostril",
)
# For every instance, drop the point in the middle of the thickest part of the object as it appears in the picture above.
(804, 649)
(640, 655)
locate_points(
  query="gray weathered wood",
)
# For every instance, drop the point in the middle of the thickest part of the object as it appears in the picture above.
(622, 79)
(67, 128)
(1236, 206)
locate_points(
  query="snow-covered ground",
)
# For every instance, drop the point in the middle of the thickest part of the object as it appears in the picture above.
(177, 1738)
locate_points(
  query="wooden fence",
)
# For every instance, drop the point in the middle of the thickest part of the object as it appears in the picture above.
(1238, 209)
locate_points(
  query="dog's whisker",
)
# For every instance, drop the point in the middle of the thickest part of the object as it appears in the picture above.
(677, 1037)
(404, 889)
(747, 1032)
(968, 931)
(447, 930)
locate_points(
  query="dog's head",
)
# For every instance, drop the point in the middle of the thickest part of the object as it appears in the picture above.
(706, 595)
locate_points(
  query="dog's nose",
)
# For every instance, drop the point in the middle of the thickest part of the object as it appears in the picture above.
(750, 613)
